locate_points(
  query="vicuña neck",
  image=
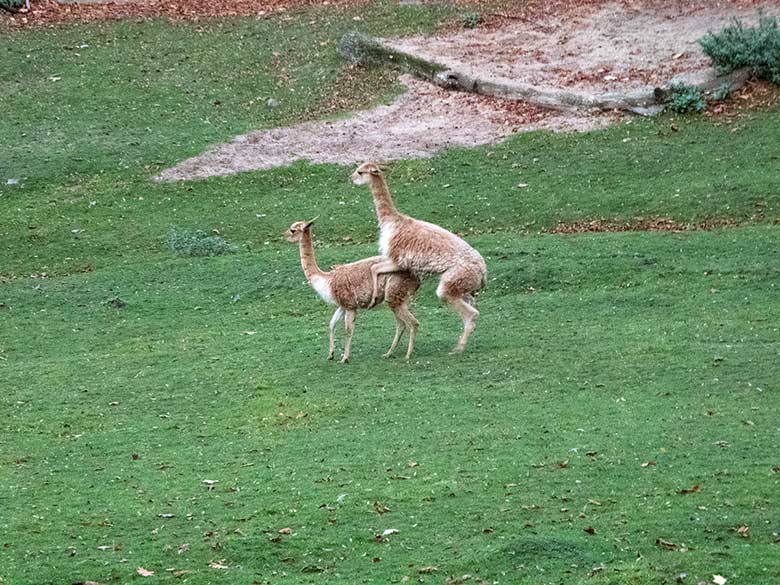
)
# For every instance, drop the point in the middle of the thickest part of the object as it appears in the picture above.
(383, 203)
(308, 262)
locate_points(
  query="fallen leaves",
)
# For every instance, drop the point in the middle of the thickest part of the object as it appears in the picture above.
(218, 564)
(665, 544)
(427, 570)
(183, 548)
(143, 572)
(743, 531)
(695, 489)
(718, 580)
(380, 508)
(648, 464)
(637, 224)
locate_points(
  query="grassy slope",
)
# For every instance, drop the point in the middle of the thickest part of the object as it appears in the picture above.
(595, 353)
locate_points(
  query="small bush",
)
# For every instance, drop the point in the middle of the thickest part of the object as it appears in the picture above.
(470, 20)
(12, 5)
(353, 47)
(685, 98)
(722, 92)
(755, 48)
(197, 243)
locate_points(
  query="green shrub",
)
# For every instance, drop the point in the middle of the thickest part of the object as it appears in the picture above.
(470, 20)
(197, 243)
(353, 47)
(685, 98)
(11, 5)
(755, 48)
(722, 92)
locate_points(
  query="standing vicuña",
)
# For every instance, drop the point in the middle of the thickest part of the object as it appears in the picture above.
(349, 287)
(424, 248)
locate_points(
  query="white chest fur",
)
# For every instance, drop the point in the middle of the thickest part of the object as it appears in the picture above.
(321, 286)
(385, 235)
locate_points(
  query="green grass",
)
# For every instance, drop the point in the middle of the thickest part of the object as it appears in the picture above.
(595, 353)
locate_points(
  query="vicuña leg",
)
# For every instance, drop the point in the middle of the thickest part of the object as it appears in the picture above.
(380, 268)
(412, 324)
(337, 316)
(469, 315)
(349, 325)
(400, 326)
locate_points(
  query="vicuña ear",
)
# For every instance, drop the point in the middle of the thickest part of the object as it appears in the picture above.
(311, 221)
(375, 171)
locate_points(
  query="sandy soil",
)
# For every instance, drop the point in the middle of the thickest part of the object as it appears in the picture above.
(424, 120)
(592, 49)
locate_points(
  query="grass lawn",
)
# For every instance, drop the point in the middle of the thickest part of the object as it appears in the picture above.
(614, 419)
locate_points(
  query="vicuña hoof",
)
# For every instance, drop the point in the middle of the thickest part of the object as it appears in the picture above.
(330, 356)
(345, 360)
(387, 355)
(456, 351)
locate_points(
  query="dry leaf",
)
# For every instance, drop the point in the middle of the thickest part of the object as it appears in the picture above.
(428, 570)
(218, 564)
(183, 548)
(648, 464)
(665, 544)
(285, 531)
(590, 530)
(143, 572)
(380, 508)
(718, 580)
(743, 531)
(389, 531)
(692, 490)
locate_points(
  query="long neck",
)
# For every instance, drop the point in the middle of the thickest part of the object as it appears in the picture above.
(383, 203)
(308, 262)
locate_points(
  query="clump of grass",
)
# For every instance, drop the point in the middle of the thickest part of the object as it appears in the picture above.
(685, 98)
(470, 19)
(183, 242)
(739, 47)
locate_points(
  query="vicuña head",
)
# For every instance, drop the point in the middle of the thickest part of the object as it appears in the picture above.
(296, 231)
(362, 175)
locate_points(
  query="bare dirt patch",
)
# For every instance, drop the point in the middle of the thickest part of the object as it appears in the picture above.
(424, 120)
(592, 48)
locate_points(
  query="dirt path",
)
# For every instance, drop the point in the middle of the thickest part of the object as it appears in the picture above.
(424, 120)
